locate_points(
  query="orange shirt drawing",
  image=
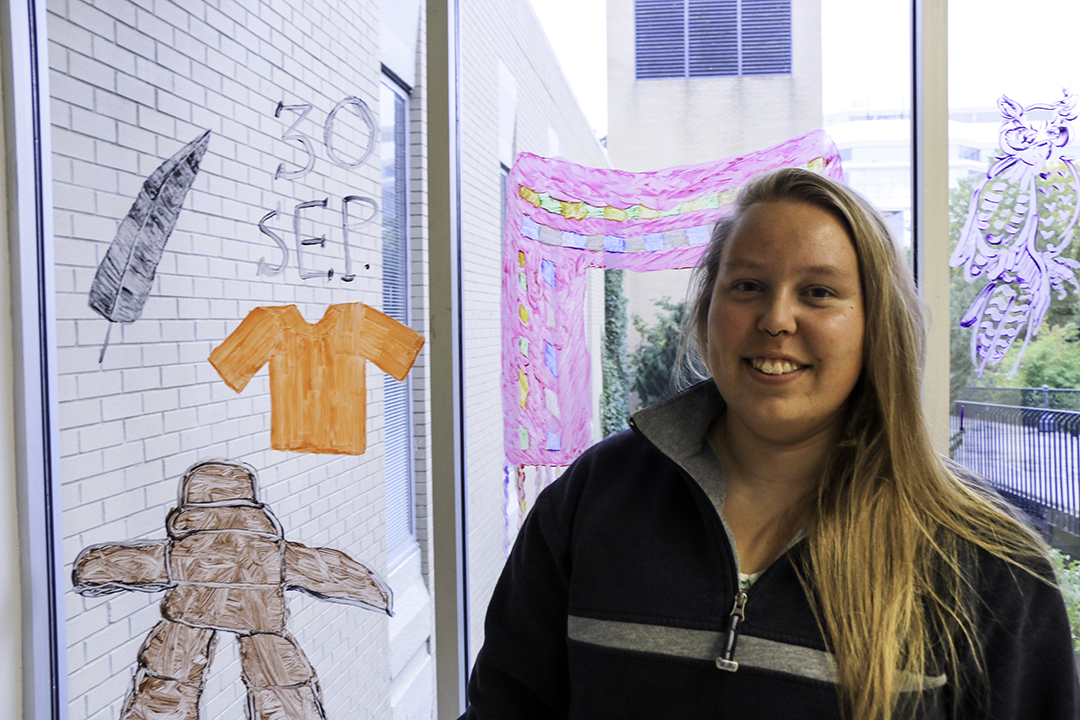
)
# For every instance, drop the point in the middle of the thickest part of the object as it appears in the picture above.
(318, 402)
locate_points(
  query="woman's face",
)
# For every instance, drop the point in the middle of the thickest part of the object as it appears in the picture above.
(785, 330)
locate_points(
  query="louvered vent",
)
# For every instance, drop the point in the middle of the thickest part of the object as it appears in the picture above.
(766, 37)
(709, 38)
(660, 38)
(714, 38)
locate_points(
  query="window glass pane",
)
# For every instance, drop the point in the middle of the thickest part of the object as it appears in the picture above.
(397, 411)
(687, 82)
(867, 101)
(1015, 320)
(218, 252)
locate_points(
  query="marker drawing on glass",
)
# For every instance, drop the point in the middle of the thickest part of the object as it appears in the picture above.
(302, 111)
(349, 224)
(561, 220)
(1019, 221)
(318, 397)
(366, 140)
(126, 274)
(225, 566)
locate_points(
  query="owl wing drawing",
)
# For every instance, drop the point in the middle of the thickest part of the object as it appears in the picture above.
(1059, 210)
(998, 212)
(1020, 219)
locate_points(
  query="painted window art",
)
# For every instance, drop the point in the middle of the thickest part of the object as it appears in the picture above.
(318, 395)
(224, 567)
(564, 219)
(223, 216)
(126, 273)
(1020, 220)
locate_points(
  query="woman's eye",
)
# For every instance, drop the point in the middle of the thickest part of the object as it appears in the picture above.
(819, 293)
(746, 286)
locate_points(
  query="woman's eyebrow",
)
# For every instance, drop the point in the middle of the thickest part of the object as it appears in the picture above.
(754, 266)
(829, 270)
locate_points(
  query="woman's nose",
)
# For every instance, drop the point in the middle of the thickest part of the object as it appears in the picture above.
(778, 316)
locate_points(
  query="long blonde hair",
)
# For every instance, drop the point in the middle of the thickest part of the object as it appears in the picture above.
(884, 571)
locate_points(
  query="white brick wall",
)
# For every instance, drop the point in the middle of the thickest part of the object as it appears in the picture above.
(133, 81)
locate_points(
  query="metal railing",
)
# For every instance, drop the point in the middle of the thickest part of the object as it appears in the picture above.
(1045, 397)
(1031, 455)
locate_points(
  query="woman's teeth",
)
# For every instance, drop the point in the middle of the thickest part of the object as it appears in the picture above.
(774, 367)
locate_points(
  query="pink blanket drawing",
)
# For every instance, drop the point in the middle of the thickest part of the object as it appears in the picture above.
(562, 219)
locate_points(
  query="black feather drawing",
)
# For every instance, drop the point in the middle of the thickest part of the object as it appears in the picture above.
(125, 275)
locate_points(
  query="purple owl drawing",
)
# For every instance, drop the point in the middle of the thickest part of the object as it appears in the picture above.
(1020, 219)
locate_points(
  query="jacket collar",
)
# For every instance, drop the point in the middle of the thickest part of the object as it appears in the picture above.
(678, 427)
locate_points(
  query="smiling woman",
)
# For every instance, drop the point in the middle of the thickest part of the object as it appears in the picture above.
(780, 540)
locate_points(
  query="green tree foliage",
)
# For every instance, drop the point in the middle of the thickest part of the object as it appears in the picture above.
(1052, 359)
(655, 363)
(613, 401)
(961, 295)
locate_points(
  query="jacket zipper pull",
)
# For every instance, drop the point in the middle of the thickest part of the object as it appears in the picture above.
(738, 614)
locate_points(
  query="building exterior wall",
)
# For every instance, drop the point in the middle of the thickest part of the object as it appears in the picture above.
(659, 123)
(654, 124)
(542, 116)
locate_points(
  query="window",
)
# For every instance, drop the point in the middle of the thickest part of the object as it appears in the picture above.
(1015, 325)
(967, 153)
(397, 404)
(712, 38)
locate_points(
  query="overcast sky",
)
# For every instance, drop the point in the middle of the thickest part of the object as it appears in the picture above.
(996, 46)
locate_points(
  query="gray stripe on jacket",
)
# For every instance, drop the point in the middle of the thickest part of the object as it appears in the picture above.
(707, 645)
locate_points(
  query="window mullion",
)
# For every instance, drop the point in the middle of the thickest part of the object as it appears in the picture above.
(930, 192)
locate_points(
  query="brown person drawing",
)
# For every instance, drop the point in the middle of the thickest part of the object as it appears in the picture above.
(225, 566)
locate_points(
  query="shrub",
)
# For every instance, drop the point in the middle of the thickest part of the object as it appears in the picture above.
(613, 402)
(1068, 576)
(656, 375)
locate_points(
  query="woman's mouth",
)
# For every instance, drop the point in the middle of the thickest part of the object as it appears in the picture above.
(775, 367)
